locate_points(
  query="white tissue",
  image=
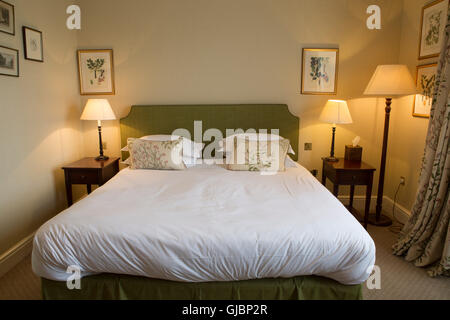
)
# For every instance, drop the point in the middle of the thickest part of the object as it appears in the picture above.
(356, 141)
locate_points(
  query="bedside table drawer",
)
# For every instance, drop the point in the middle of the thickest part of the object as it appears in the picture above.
(356, 178)
(84, 177)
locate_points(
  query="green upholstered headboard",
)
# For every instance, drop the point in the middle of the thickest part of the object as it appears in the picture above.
(149, 120)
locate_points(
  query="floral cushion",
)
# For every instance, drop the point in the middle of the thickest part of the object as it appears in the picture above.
(157, 155)
(265, 156)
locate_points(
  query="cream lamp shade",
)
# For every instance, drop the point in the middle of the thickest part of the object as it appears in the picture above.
(391, 81)
(98, 109)
(336, 112)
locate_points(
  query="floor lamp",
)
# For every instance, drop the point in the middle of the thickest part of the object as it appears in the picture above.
(388, 81)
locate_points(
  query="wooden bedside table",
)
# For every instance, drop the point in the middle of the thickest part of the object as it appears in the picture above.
(350, 173)
(89, 171)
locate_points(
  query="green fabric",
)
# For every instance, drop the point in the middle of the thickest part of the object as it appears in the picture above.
(122, 287)
(148, 120)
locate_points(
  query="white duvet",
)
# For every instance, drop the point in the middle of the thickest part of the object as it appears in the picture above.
(207, 224)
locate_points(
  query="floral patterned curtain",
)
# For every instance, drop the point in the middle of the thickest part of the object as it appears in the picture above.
(425, 239)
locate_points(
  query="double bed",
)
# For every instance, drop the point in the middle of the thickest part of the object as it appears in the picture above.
(206, 232)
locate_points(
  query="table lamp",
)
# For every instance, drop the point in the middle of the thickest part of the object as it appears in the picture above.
(388, 81)
(100, 110)
(335, 112)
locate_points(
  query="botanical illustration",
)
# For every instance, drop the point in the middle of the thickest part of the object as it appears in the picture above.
(7, 61)
(426, 84)
(96, 72)
(33, 45)
(4, 17)
(434, 26)
(319, 69)
(9, 64)
(97, 68)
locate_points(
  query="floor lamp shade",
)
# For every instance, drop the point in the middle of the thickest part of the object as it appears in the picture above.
(99, 110)
(335, 112)
(388, 81)
(391, 81)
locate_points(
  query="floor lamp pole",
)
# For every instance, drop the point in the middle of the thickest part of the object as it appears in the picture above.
(379, 219)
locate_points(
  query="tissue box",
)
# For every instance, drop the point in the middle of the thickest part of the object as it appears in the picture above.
(353, 153)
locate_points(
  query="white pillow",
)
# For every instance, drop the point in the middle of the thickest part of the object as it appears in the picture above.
(253, 137)
(289, 163)
(189, 162)
(191, 149)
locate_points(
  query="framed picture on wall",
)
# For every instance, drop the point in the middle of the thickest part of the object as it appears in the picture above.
(320, 71)
(33, 47)
(434, 20)
(7, 19)
(96, 72)
(425, 82)
(9, 62)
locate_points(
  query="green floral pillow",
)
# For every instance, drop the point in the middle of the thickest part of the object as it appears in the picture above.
(156, 155)
(263, 156)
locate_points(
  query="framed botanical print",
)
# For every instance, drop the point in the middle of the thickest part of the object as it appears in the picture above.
(425, 82)
(33, 47)
(9, 62)
(320, 71)
(96, 72)
(434, 20)
(7, 19)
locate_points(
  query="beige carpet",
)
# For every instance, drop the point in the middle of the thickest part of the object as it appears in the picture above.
(399, 280)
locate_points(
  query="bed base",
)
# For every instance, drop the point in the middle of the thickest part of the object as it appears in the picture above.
(122, 287)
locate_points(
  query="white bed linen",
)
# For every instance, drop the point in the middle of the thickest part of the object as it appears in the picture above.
(207, 224)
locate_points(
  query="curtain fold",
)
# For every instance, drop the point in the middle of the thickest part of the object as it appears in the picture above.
(425, 239)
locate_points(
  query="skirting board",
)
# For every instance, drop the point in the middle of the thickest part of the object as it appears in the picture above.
(16, 254)
(401, 214)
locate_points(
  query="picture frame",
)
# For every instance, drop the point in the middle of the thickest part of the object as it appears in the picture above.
(432, 29)
(9, 62)
(7, 18)
(33, 48)
(320, 71)
(425, 82)
(96, 72)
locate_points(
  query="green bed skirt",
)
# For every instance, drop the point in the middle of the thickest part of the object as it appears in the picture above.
(122, 287)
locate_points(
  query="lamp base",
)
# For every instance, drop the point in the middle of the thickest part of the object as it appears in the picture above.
(383, 221)
(102, 158)
(332, 159)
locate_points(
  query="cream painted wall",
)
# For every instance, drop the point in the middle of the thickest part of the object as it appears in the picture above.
(243, 51)
(39, 124)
